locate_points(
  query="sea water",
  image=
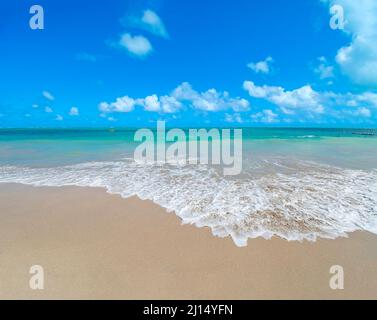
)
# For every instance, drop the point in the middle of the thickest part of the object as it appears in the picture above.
(297, 184)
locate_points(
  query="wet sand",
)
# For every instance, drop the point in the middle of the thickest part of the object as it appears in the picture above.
(93, 245)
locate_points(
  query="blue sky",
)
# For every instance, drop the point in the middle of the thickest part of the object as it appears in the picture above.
(191, 63)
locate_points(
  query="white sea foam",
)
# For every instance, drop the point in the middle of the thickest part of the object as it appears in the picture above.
(296, 203)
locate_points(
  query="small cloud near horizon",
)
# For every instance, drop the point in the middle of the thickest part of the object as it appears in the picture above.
(263, 66)
(136, 45)
(48, 95)
(149, 21)
(74, 111)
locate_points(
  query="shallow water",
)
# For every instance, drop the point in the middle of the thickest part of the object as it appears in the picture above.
(296, 183)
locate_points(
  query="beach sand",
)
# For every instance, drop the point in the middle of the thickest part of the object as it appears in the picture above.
(93, 245)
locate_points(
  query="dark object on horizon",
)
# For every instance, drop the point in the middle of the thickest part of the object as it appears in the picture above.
(365, 133)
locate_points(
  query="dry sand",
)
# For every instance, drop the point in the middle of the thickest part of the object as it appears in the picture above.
(94, 245)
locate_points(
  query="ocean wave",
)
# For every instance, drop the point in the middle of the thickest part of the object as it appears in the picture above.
(304, 203)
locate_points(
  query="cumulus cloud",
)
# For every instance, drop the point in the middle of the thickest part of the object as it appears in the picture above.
(307, 102)
(367, 97)
(136, 45)
(358, 59)
(163, 104)
(265, 116)
(324, 70)
(184, 95)
(235, 117)
(59, 117)
(150, 103)
(263, 66)
(170, 104)
(74, 111)
(123, 104)
(289, 101)
(351, 100)
(210, 100)
(151, 22)
(356, 114)
(48, 95)
(363, 112)
(48, 110)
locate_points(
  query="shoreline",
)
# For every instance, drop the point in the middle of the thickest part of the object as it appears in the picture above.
(96, 245)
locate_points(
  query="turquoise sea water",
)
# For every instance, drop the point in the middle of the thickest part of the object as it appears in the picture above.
(352, 148)
(296, 183)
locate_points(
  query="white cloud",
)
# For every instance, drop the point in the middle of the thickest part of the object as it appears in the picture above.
(185, 92)
(123, 104)
(354, 114)
(358, 60)
(163, 104)
(324, 70)
(151, 22)
(35, 106)
(261, 91)
(261, 66)
(365, 99)
(231, 118)
(210, 101)
(151, 103)
(136, 45)
(48, 95)
(265, 116)
(74, 111)
(363, 112)
(48, 110)
(311, 104)
(304, 98)
(59, 117)
(170, 104)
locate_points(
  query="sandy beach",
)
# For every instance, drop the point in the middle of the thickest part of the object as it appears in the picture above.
(93, 245)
